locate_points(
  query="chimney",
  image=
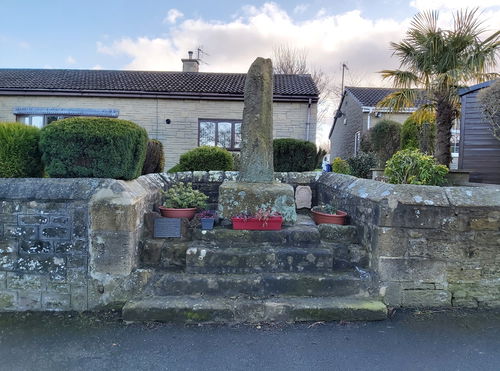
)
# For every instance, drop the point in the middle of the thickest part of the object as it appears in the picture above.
(190, 64)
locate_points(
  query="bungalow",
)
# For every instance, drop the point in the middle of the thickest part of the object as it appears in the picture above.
(182, 109)
(356, 114)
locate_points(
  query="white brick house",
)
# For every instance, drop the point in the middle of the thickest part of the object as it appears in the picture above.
(182, 109)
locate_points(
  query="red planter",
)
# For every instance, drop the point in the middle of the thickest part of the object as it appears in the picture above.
(177, 213)
(254, 224)
(323, 218)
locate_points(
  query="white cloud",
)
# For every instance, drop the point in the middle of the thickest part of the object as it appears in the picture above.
(97, 67)
(70, 60)
(172, 16)
(330, 39)
(452, 4)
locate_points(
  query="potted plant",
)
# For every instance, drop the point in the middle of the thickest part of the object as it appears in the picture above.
(207, 219)
(181, 201)
(328, 214)
(262, 220)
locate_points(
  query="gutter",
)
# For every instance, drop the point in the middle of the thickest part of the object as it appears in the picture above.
(308, 122)
(155, 95)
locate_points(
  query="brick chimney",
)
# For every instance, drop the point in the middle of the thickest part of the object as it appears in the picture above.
(190, 64)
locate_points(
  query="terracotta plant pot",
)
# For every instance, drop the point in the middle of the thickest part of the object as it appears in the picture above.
(254, 224)
(170, 212)
(323, 218)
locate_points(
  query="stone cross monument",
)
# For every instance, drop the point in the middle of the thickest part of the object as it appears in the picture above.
(256, 188)
(256, 158)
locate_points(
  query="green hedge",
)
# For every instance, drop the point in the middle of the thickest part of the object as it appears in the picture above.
(155, 158)
(361, 164)
(294, 155)
(385, 140)
(410, 166)
(205, 158)
(340, 166)
(415, 135)
(93, 147)
(19, 154)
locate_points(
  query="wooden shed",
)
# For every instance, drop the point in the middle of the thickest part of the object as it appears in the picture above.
(479, 149)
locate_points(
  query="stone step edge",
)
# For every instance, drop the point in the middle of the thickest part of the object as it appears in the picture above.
(189, 309)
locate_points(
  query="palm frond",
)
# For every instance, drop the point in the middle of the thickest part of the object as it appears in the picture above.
(424, 113)
(401, 79)
(399, 100)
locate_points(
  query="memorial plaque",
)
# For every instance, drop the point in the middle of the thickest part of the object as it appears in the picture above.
(167, 227)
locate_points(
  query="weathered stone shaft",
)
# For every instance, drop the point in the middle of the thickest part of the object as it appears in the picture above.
(257, 127)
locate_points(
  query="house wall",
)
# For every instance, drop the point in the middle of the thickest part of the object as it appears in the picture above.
(479, 150)
(182, 134)
(353, 120)
(342, 138)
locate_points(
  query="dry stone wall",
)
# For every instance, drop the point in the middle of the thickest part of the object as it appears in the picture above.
(71, 244)
(431, 246)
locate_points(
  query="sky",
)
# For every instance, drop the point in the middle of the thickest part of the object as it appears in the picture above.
(155, 35)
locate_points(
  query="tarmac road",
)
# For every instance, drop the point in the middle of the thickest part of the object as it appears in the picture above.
(413, 340)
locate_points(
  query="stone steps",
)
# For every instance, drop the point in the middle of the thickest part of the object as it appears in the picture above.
(204, 259)
(198, 309)
(348, 283)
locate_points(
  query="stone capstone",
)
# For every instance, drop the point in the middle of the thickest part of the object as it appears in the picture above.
(237, 198)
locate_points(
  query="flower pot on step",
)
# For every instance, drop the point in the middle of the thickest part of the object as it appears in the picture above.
(273, 223)
(177, 213)
(324, 218)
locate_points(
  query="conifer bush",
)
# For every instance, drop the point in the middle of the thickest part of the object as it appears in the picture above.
(155, 158)
(385, 140)
(206, 158)
(340, 166)
(19, 154)
(93, 147)
(294, 155)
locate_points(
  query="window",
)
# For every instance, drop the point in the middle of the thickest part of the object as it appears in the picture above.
(357, 142)
(38, 120)
(220, 133)
(40, 117)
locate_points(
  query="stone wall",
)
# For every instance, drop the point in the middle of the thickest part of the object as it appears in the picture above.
(209, 181)
(431, 246)
(71, 244)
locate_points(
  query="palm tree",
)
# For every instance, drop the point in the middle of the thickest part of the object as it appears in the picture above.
(441, 61)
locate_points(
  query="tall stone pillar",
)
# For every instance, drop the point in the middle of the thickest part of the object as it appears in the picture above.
(256, 159)
(256, 188)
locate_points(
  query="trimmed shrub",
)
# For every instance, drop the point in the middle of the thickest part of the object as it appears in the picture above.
(361, 164)
(206, 158)
(415, 135)
(385, 139)
(93, 147)
(294, 155)
(19, 154)
(410, 166)
(155, 158)
(340, 166)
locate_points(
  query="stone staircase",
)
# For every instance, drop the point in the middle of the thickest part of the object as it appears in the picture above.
(301, 273)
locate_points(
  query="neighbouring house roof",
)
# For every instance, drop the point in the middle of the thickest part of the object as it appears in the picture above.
(368, 98)
(185, 85)
(473, 88)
